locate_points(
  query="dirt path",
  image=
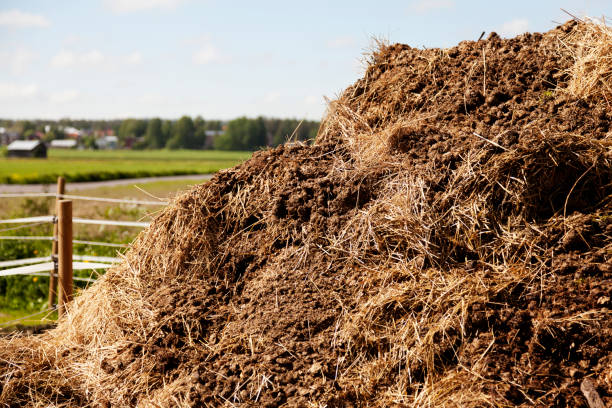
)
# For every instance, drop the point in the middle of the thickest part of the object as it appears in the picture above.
(44, 188)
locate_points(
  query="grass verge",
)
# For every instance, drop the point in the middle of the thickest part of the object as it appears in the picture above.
(92, 165)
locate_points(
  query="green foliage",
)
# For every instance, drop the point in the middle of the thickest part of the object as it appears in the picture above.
(53, 134)
(242, 134)
(23, 126)
(183, 135)
(131, 129)
(166, 132)
(282, 130)
(154, 137)
(252, 134)
(25, 292)
(199, 134)
(89, 142)
(213, 125)
(26, 135)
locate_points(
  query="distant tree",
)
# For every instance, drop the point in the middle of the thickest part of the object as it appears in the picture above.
(63, 122)
(281, 130)
(25, 128)
(313, 130)
(183, 133)
(54, 133)
(199, 135)
(131, 129)
(242, 134)
(139, 127)
(115, 125)
(154, 138)
(199, 122)
(214, 125)
(166, 132)
(284, 130)
(90, 142)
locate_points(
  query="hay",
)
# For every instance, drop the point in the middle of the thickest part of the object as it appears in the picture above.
(445, 242)
(590, 47)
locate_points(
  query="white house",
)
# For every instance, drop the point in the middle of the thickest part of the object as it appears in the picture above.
(107, 142)
(64, 143)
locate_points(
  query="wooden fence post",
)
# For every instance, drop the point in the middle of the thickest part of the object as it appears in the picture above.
(61, 187)
(64, 223)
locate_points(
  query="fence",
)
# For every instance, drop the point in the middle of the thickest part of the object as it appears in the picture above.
(62, 262)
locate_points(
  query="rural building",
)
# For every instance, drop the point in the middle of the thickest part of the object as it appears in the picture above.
(72, 132)
(107, 142)
(64, 143)
(27, 148)
(104, 132)
(7, 136)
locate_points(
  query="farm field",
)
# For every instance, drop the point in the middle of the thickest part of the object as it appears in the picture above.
(96, 165)
(25, 320)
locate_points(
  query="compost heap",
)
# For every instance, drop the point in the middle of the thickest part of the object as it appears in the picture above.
(445, 241)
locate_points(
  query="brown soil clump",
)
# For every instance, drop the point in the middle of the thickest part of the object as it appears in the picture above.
(445, 242)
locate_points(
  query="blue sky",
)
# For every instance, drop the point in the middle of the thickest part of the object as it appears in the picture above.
(223, 59)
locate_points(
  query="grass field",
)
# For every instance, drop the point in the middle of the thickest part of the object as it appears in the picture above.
(24, 319)
(96, 165)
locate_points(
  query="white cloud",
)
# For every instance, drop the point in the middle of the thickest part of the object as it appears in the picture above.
(313, 100)
(19, 19)
(341, 42)
(71, 40)
(68, 59)
(207, 54)
(272, 97)
(130, 6)
(65, 96)
(17, 61)
(134, 58)
(63, 59)
(424, 6)
(93, 57)
(21, 60)
(9, 91)
(513, 28)
(152, 98)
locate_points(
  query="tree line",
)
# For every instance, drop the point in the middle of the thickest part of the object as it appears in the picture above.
(185, 133)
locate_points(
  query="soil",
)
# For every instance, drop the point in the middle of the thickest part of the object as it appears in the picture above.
(268, 286)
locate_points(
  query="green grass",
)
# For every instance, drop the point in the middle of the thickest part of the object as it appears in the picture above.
(8, 316)
(96, 165)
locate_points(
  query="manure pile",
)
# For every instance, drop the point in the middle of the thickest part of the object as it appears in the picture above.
(445, 242)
